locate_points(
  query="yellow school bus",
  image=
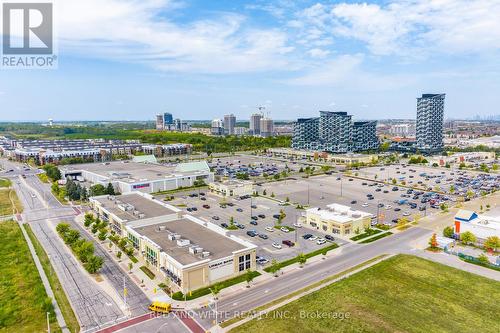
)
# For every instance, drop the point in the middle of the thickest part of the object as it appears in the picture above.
(161, 307)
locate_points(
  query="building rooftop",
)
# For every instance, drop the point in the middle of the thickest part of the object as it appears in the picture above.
(338, 213)
(132, 172)
(190, 235)
(133, 206)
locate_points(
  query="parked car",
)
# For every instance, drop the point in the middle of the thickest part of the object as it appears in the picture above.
(252, 233)
(321, 241)
(239, 210)
(329, 238)
(297, 225)
(206, 206)
(269, 229)
(354, 202)
(224, 225)
(263, 236)
(284, 229)
(276, 245)
(307, 236)
(288, 243)
(216, 218)
(262, 216)
(253, 222)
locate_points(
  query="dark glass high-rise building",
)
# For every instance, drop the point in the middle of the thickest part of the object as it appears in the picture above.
(334, 132)
(168, 119)
(430, 117)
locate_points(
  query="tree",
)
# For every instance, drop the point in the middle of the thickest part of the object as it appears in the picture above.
(62, 228)
(110, 189)
(394, 181)
(52, 172)
(275, 267)
(448, 232)
(119, 254)
(324, 253)
(89, 219)
(215, 290)
(492, 242)
(85, 251)
(242, 176)
(433, 242)
(402, 222)
(249, 277)
(97, 189)
(94, 264)
(301, 258)
(130, 266)
(468, 237)
(483, 259)
(469, 194)
(264, 192)
(71, 237)
(102, 234)
(272, 195)
(452, 189)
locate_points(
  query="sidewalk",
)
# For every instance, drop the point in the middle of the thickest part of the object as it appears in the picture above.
(45, 281)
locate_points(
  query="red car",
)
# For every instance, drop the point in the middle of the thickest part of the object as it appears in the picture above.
(206, 206)
(288, 243)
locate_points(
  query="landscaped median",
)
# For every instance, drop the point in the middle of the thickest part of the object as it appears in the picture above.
(369, 240)
(248, 276)
(367, 233)
(59, 294)
(274, 267)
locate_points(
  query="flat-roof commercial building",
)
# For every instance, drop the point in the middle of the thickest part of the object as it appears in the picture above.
(190, 252)
(481, 225)
(232, 188)
(130, 176)
(335, 158)
(337, 219)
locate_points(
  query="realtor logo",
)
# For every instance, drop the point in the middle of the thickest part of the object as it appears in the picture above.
(28, 35)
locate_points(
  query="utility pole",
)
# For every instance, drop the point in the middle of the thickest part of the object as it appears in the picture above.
(124, 293)
(48, 323)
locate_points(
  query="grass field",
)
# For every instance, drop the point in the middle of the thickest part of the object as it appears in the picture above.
(4, 182)
(401, 294)
(23, 300)
(5, 202)
(60, 295)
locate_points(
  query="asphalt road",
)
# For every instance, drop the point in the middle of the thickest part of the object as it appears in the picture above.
(92, 305)
(351, 255)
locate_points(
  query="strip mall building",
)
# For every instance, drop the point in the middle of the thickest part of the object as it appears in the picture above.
(190, 252)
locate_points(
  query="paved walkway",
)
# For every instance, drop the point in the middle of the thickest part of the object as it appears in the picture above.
(454, 261)
(45, 281)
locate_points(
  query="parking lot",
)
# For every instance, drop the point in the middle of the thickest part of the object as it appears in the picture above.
(375, 198)
(263, 210)
(454, 182)
(255, 166)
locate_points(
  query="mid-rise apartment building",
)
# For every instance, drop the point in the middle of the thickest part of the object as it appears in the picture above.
(430, 117)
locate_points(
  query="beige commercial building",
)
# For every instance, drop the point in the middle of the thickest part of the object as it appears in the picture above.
(232, 188)
(192, 253)
(337, 219)
(334, 158)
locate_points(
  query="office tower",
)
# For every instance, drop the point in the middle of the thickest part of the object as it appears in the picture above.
(255, 124)
(177, 125)
(335, 131)
(168, 119)
(217, 127)
(306, 134)
(266, 127)
(430, 115)
(364, 135)
(229, 124)
(160, 125)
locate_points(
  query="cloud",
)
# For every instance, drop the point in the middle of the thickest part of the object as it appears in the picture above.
(141, 32)
(347, 72)
(318, 53)
(407, 27)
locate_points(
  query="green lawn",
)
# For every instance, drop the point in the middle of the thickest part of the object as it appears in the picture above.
(6, 195)
(5, 182)
(60, 295)
(401, 294)
(23, 300)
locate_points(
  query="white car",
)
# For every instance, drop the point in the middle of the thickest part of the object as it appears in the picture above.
(297, 225)
(406, 214)
(321, 241)
(284, 229)
(276, 245)
(388, 207)
(365, 204)
(270, 229)
(312, 238)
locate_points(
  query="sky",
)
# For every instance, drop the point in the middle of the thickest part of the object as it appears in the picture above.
(199, 59)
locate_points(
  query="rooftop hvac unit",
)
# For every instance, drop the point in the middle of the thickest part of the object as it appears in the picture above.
(174, 237)
(141, 215)
(162, 228)
(343, 213)
(192, 250)
(198, 249)
(122, 207)
(136, 212)
(183, 242)
(205, 254)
